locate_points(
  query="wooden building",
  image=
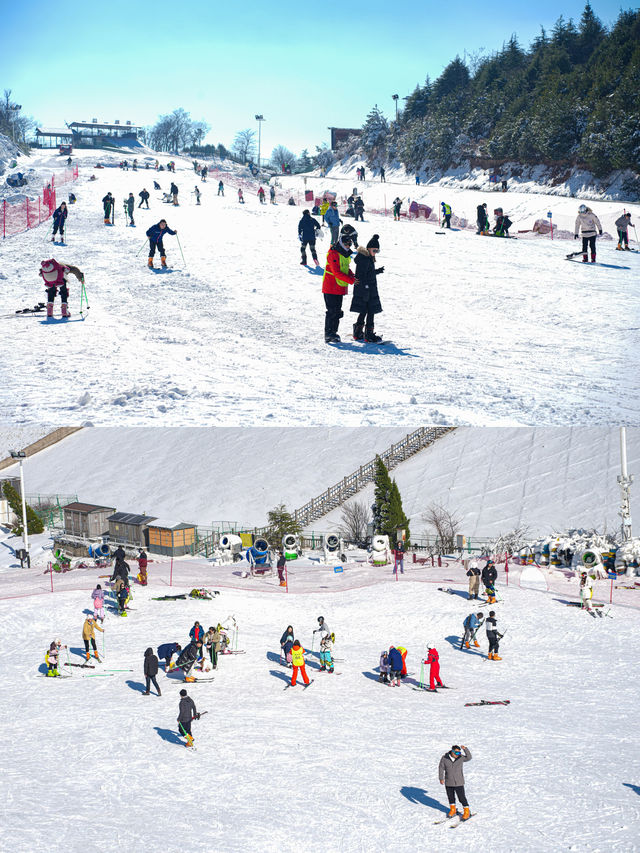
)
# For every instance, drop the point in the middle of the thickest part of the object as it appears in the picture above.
(126, 528)
(171, 538)
(87, 520)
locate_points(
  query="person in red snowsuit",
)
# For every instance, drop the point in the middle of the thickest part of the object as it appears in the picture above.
(433, 659)
(55, 281)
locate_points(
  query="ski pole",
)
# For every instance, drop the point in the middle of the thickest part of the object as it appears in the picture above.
(141, 248)
(181, 252)
(103, 644)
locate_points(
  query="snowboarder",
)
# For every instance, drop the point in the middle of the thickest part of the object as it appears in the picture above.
(150, 671)
(286, 642)
(446, 214)
(482, 219)
(382, 175)
(186, 714)
(322, 629)
(282, 563)
(297, 660)
(308, 229)
(622, 224)
(54, 276)
(332, 219)
(358, 209)
(261, 195)
(88, 635)
(397, 204)
(144, 198)
(493, 636)
(586, 591)
(471, 625)
(187, 657)
(220, 188)
(173, 189)
(167, 651)
(240, 195)
(335, 283)
(272, 194)
(503, 223)
(142, 567)
(489, 576)
(130, 204)
(587, 224)
(107, 204)
(384, 667)
(473, 573)
(395, 665)
(59, 218)
(98, 603)
(433, 659)
(365, 300)
(197, 194)
(326, 659)
(450, 774)
(156, 234)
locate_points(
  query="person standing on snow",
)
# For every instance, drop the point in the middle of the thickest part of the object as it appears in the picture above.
(107, 204)
(493, 636)
(261, 195)
(446, 214)
(587, 224)
(272, 194)
(221, 188)
(240, 195)
(482, 219)
(150, 671)
(54, 276)
(281, 564)
(173, 189)
(142, 567)
(433, 659)
(308, 229)
(622, 224)
(384, 667)
(88, 635)
(450, 774)
(332, 219)
(59, 218)
(186, 714)
(382, 175)
(286, 643)
(52, 658)
(209, 647)
(97, 597)
(144, 198)
(298, 664)
(471, 624)
(335, 284)
(358, 209)
(326, 659)
(130, 204)
(203, 174)
(489, 576)
(503, 223)
(322, 629)
(586, 591)
(399, 550)
(397, 204)
(395, 665)
(197, 193)
(366, 300)
(473, 573)
(156, 234)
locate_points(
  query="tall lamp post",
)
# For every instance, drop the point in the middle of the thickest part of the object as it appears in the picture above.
(259, 119)
(395, 98)
(20, 455)
(625, 480)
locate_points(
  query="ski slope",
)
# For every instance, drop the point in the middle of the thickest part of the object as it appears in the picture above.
(348, 765)
(484, 331)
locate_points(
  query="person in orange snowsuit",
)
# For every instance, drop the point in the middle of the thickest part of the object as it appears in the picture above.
(403, 652)
(433, 659)
(297, 660)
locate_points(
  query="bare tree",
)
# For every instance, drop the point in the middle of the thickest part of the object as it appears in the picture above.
(512, 541)
(356, 517)
(281, 156)
(446, 524)
(12, 123)
(244, 144)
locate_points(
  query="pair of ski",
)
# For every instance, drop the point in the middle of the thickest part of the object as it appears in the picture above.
(424, 689)
(304, 686)
(457, 823)
(487, 702)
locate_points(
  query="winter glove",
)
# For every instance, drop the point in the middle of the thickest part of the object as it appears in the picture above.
(600, 232)
(197, 716)
(380, 270)
(575, 236)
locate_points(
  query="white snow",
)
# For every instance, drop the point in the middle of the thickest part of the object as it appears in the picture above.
(485, 332)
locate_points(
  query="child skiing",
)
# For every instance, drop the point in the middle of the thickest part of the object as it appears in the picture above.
(450, 774)
(144, 198)
(622, 224)
(156, 234)
(503, 223)
(98, 603)
(261, 195)
(322, 628)
(51, 658)
(482, 219)
(297, 660)
(588, 225)
(286, 642)
(88, 635)
(123, 597)
(586, 591)
(186, 714)
(366, 301)
(493, 636)
(150, 671)
(397, 204)
(385, 666)
(59, 218)
(489, 576)
(54, 276)
(433, 659)
(471, 625)
(395, 665)
(326, 660)
(221, 188)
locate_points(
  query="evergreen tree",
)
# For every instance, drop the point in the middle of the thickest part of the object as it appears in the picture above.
(382, 497)
(305, 163)
(280, 521)
(34, 522)
(397, 520)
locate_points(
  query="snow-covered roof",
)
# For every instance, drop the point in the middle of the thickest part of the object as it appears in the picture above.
(53, 131)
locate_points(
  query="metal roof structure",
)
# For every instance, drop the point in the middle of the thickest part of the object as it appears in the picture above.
(78, 506)
(130, 518)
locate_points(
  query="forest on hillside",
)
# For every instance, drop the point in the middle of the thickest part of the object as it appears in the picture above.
(572, 98)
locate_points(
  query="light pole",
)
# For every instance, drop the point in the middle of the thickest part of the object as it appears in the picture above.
(20, 455)
(625, 480)
(259, 119)
(395, 98)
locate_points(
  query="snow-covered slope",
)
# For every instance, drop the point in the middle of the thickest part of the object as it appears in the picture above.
(484, 331)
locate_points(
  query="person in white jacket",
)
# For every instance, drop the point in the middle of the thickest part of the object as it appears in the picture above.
(587, 224)
(586, 591)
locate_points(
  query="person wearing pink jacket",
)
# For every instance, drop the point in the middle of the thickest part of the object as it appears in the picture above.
(98, 603)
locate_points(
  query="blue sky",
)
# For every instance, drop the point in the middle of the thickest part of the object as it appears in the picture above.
(303, 65)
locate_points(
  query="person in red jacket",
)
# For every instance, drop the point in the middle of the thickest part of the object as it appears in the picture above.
(433, 659)
(142, 567)
(335, 284)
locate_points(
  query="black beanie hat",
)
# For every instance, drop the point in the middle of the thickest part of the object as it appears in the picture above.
(183, 692)
(373, 242)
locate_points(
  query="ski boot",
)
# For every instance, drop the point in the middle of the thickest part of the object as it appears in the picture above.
(370, 337)
(95, 654)
(476, 644)
(65, 310)
(145, 693)
(330, 669)
(189, 740)
(452, 810)
(358, 332)
(466, 645)
(496, 657)
(150, 263)
(466, 814)
(619, 247)
(163, 262)
(585, 259)
(490, 656)
(189, 678)
(87, 655)
(332, 339)
(627, 249)
(49, 309)
(593, 257)
(323, 669)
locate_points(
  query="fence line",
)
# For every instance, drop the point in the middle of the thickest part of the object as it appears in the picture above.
(16, 217)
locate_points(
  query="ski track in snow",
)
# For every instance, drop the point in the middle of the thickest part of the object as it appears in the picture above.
(349, 765)
(485, 331)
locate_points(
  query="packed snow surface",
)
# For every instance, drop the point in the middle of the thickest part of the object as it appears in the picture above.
(484, 331)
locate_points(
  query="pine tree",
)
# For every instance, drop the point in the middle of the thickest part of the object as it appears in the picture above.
(397, 520)
(280, 522)
(34, 523)
(382, 496)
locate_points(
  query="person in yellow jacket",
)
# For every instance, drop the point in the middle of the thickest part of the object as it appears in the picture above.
(88, 635)
(297, 661)
(324, 207)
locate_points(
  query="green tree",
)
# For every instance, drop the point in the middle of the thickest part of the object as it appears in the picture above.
(397, 520)
(280, 521)
(382, 496)
(34, 523)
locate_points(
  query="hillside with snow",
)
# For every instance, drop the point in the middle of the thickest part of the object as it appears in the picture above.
(483, 331)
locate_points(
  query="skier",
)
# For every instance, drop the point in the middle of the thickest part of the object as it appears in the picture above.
(489, 576)
(473, 573)
(433, 659)
(142, 567)
(197, 194)
(587, 224)
(220, 188)
(395, 666)
(286, 642)
(59, 218)
(156, 234)
(382, 175)
(446, 214)
(186, 714)
(156, 186)
(240, 195)
(203, 174)
(358, 209)
(197, 632)
(622, 224)
(167, 651)
(397, 204)
(335, 283)
(322, 629)
(450, 774)
(503, 223)
(482, 219)
(123, 597)
(107, 203)
(150, 671)
(471, 625)
(272, 194)
(332, 219)
(88, 635)
(173, 189)
(586, 591)
(385, 666)
(144, 198)
(98, 603)
(493, 636)
(130, 204)
(308, 229)
(297, 660)
(280, 566)
(326, 660)
(398, 551)
(54, 276)
(209, 643)
(365, 300)
(261, 195)
(187, 657)
(51, 658)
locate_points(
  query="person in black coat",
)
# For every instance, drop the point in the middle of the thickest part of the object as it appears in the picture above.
(186, 714)
(167, 651)
(187, 657)
(366, 301)
(156, 234)
(59, 218)
(118, 554)
(286, 642)
(308, 229)
(358, 209)
(481, 218)
(150, 671)
(174, 192)
(144, 198)
(489, 574)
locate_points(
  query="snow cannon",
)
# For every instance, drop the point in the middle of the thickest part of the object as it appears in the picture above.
(592, 562)
(231, 542)
(258, 554)
(380, 546)
(332, 545)
(290, 546)
(99, 552)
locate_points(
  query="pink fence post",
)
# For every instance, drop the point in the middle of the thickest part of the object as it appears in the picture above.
(39, 212)
(171, 574)
(28, 225)
(506, 568)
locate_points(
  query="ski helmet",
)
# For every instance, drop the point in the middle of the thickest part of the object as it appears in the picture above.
(350, 232)
(583, 208)
(57, 641)
(320, 618)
